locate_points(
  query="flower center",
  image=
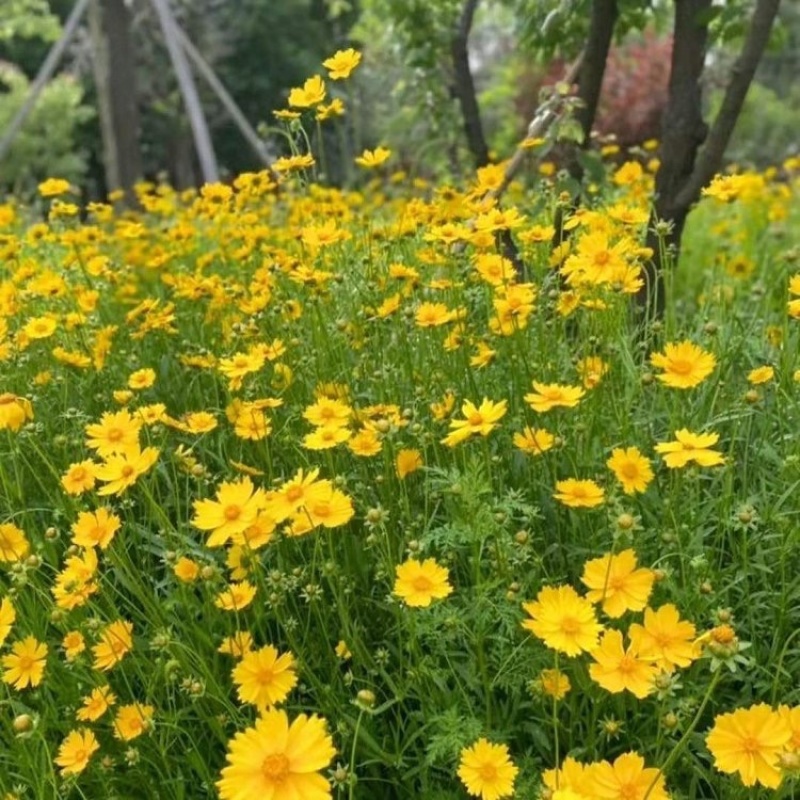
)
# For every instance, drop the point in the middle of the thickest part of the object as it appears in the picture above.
(570, 625)
(422, 583)
(114, 435)
(294, 493)
(488, 773)
(475, 419)
(681, 366)
(127, 471)
(81, 755)
(630, 471)
(602, 258)
(265, 676)
(321, 510)
(25, 663)
(629, 791)
(232, 513)
(275, 767)
(627, 663)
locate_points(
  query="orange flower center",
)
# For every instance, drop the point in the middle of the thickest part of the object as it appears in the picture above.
(265, 676)
(294, 493)
(127, 471)
(602, 258)
(751, 745)
(570, 625)
(629, 470)
(616, 582)
(115, 435)
(627, 664)
(232, 513)
(80, 755)
(422, 583)
(321, 509)
(629, 791)
(475, 419)
(7, 399)
(488, 773)
(25, 664)
(79, 473)
(681, 366)
(275, 767)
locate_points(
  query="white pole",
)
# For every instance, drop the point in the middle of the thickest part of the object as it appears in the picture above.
(202, 138)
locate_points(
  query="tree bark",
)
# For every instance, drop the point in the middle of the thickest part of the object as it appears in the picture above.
(592, 71)
(464, 86)
(683, 130)
(115, 79)
(685, 168)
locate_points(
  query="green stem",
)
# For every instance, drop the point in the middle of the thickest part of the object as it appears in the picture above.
(681, 744)
(351, 792)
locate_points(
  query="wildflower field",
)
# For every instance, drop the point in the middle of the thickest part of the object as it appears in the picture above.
(309, 493)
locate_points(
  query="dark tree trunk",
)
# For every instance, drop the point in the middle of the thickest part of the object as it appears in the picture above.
(464, 86)
(593, 68)
(685, 169)
(115, 73)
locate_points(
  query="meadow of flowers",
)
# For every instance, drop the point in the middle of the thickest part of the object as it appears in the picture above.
(307, 493)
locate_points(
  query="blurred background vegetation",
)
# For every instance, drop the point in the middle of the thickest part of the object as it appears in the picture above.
(403, 96)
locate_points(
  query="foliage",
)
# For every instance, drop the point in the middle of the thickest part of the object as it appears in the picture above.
(178, 367)
(28, 19)
(48, 142)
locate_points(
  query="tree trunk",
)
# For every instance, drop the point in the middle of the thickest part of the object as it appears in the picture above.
(464, 86)
(114, 70)
(685, 169)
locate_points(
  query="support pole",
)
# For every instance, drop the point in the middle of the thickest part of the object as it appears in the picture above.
(191, 99)
(239, 119)
(45, 73)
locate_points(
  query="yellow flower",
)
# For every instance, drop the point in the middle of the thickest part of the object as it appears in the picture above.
(142, 379)
(575, 493)
(406, 462)
(750, 741)
(690, 447)
(534, 440)
(419, 583)
(116, 433)
(342, 63)
(617, 669)
(478, 420)
(95, 528)
(554, 683)
(24, 665)
(53, 187)
(13, 543)
(685, 365)
(237, 645)
(79, 478)
(328, 412)
(96, 704)
(74, 644)
(553, 395)
(264, 677)
(626, 779)
(132, 721)
(115, 642)
(432, 315)
(631, 469)
(373, 158)
(761, 375)
(121, 470)
(665, 638)
(235, 509)
(614, 581)
(8, 616)
(274, 759)
(325, 438)
(75, 751)
(563, 620)
(186, 570)
(40, 327)
(14, 411)
(312, 93)
(236, 597)
(487, 771)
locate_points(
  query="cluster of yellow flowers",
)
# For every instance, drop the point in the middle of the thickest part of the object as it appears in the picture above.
(272, 446)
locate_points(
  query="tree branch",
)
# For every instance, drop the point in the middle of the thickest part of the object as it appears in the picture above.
(710, 158)
(464, 86)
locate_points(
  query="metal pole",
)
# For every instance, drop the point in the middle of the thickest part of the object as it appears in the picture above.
(45, 73)
(241, 122)
(202, 138)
